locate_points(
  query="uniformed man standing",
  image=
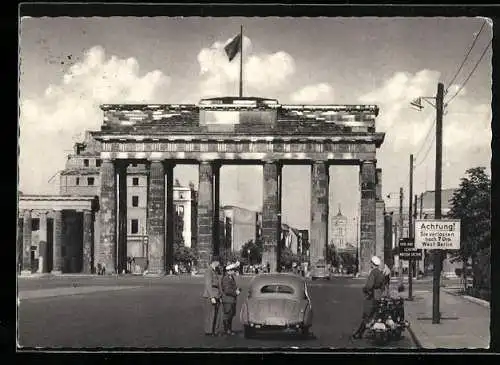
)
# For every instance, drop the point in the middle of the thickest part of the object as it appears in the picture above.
(211, 298)
(230, 292)
(373, 291)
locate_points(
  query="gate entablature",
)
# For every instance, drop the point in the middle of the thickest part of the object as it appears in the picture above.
(239, 128)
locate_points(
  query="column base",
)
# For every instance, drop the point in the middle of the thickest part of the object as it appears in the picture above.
(155, 273)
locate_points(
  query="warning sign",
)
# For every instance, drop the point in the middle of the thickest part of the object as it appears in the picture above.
(441, 234)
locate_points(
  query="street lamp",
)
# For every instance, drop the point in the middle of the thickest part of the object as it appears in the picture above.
(248, 256)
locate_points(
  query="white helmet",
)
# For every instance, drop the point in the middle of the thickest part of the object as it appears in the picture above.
(376, 261)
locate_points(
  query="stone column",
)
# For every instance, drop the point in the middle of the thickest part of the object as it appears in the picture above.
(42, 244)
(388, 258)
(20, 245)
(156, 218)
(122, 217)
(107, 217)
(379, 217)
(57, 260)
(216, 231)
(319, 211)
(27, 225)
(205, 215)
(368, 215)
(88, 242)
(271, 231)
(170, 233)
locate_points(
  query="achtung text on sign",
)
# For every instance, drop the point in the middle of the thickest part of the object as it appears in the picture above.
(437, 234)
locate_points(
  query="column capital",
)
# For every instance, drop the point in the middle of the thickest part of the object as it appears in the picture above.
(211, 161)
(27, 212)
(155, 160)
(363, 162)
(268, 161)
(319, 161)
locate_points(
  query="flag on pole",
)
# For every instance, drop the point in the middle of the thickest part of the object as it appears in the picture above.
(233, 47)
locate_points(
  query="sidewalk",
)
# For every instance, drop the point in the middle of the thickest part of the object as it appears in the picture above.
(464, 324)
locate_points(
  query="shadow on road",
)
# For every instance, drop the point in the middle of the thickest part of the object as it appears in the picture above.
(282, 336)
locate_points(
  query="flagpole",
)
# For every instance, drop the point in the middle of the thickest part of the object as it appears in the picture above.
(241, 61)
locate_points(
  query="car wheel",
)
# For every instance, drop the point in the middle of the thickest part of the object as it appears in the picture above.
(248, 332)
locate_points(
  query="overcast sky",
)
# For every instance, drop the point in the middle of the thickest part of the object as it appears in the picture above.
(71, 65)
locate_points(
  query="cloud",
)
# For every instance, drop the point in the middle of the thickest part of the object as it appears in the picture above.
(262, 73)
(49, 122)
(466, 131)
(321, 93)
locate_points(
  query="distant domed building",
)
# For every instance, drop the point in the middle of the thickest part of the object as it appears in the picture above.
(338, 232)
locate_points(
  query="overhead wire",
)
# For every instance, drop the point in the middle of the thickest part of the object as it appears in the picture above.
(466, 57)
(471, 73)
(425, 139)
(457, 92)
(426, 152)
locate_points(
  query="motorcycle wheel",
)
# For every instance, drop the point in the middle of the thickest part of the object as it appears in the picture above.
(305, 332)
(397, 334)
(248, 332)
(380, 338)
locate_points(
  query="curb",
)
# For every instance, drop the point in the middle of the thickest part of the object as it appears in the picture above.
(414, 337)
(481, 302)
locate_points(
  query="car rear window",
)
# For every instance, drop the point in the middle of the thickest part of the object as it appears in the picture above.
(283, 289)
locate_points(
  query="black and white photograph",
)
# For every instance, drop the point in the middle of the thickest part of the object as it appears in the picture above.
(242, 183)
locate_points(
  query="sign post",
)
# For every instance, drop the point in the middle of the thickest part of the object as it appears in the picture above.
(439, 235)
(408, 252)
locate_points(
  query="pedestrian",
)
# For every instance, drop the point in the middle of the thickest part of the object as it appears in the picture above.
(230, 292)
(268, 267)
(211, 298)
(373, 291)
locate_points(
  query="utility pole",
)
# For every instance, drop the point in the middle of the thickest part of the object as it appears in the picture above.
(414, 223)
(437, 201)
(400, 212)
(421, 216)
(410, 231)
(400, 235)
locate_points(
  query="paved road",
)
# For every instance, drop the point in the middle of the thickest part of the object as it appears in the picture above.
(167, 313)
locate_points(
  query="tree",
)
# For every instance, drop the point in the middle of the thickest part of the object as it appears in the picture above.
(255, 249)
(347, 259)
(332, 255)
(184, 255)
(288, 258)
(471, 204)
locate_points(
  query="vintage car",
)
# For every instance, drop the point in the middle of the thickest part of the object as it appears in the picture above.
(320, 271)
(277, 302)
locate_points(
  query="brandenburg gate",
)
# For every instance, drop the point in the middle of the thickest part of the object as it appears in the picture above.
(231, 130)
